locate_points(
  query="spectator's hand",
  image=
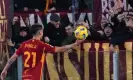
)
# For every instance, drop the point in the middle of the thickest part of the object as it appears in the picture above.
(70, 50)
(129, 23)
(25, 8)
(52, 9)
(79, 41)
(101, 32)
(119, 3)
(111, 12)
(121, 16)
(3, 74)
(9, 42)
(86, 24)
(46, 39)
(16, 5)
(36, 10)
(112, 49)
(70, 8)
(117, 7)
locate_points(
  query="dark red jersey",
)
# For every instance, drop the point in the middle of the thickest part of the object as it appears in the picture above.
(33, 55)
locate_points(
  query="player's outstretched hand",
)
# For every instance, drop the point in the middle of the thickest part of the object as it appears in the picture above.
(79, 41)
(3, 74)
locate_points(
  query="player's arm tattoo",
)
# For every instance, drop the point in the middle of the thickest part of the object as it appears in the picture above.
(10, 61)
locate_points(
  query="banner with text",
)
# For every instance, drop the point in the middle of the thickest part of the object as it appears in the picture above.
(4, 7)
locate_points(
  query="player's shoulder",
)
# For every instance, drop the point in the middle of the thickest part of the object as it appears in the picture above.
(39, 42)
(27, 41)
(48, 44)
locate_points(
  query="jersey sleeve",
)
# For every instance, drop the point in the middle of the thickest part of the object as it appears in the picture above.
(48, 48)
(19, 50)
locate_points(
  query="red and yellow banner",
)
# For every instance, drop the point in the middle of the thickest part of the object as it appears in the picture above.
(4, 7)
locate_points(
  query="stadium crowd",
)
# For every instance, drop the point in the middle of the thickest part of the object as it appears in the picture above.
(116, 29)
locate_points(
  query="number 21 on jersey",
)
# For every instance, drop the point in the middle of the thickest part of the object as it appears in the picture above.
(29, 55)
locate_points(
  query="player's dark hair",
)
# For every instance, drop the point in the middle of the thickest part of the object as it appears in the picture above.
(35, 28)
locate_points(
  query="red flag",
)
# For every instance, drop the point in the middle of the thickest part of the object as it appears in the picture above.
(48, 2)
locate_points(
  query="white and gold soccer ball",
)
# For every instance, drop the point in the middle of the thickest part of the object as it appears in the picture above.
(81, 32)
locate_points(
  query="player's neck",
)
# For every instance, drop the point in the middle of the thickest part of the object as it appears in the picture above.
(36, 38)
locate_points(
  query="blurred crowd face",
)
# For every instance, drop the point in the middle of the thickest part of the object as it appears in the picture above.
(23, 33)
(108, 31)
(69, 30)
(56, 24)
(129, 21)
(27, 21)
(15, 19)
(103, 22)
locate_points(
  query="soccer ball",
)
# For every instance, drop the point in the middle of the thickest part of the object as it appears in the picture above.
(81, 32)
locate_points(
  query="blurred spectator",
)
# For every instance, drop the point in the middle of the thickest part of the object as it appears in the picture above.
(108, 31)
(129, 24)
(104, 20)
(100, 35)
(65, 21)
(70, 35)
(21, 37)
(130, 2)
(122, 31)
(95, 35)
(129, 21)
(54, 34)
(15, 26)
(50, 6)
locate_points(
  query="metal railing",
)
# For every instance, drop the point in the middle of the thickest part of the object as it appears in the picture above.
(115, 66)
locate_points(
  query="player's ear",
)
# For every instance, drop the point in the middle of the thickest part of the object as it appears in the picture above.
(39, 32)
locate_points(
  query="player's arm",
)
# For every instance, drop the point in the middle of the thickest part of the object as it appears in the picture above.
(67, 47)
(10, 61)
(64, 48)
(56, 49)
